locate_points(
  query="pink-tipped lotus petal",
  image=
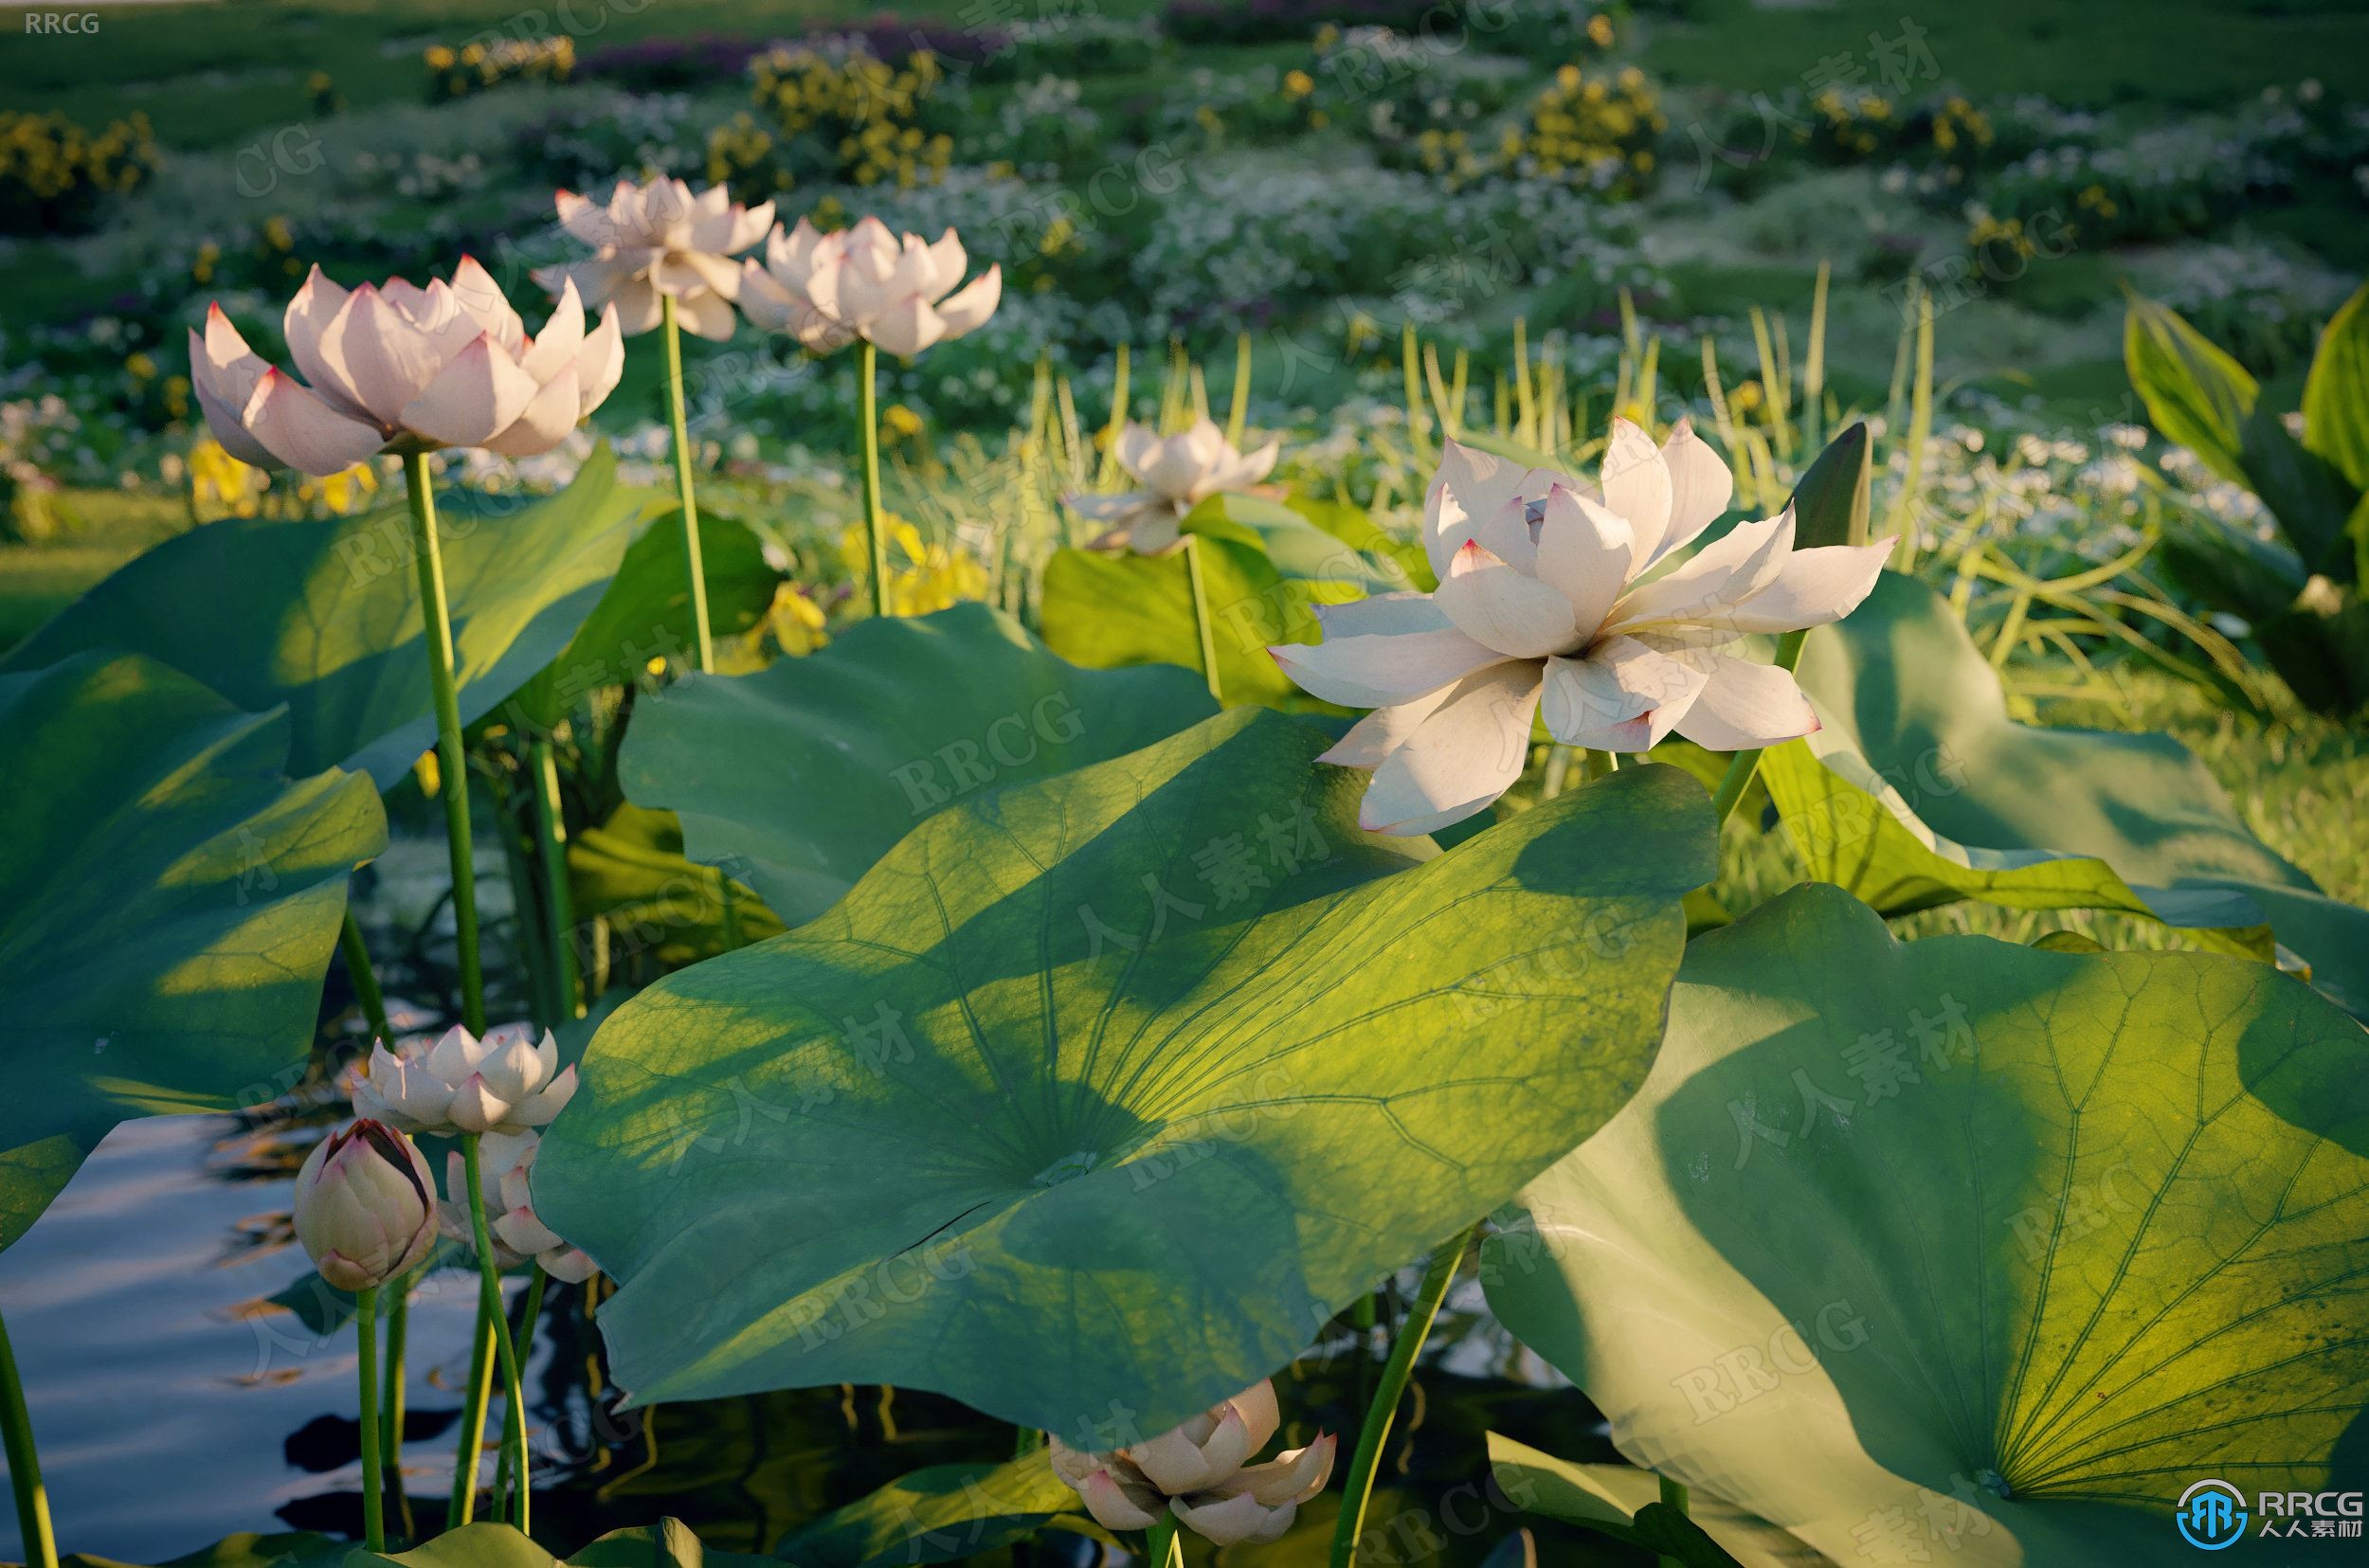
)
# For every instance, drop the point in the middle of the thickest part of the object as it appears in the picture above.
(1745, 705)
(298, 428)
(480, 393)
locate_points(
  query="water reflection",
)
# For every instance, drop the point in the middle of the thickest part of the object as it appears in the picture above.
(178, 1400)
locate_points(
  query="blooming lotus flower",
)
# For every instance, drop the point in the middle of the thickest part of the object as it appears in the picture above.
(1197, 1470)
(506, 1082)
(1548, 600)
(897, 292)
(1172, 477)
(506, 1162)
(365, 1206)
(656, 240)
(394, 367)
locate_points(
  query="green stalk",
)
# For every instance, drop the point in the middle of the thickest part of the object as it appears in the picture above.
(867, 416)
(16, 1427)
(514, 1417)
(436, 616)
(1412, 1333)
(1674, 1494)
(373, 1511)
(703, 649)
(1743, 765)
(490, 1303)
(1200, 615)
(391, 1400)
(363, 978)
(1161, 1547)
(480, 1393)
(550, 830)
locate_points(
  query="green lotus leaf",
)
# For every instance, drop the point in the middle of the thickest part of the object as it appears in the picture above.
(297, 1549)
(1266, 568)
(1963, 1249)
(798, 778)
(1610, 1499)
(1902, 683)
(169, 900)
(644, 613)
(323, 617)
(669, 1543)
(1854, 828)
(947, 1513)
(1094, 1100)
(474, 1545)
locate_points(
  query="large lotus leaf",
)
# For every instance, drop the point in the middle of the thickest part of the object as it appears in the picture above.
(1610, 1499)
(947, 1513)
(297, 1549)
(169, 900)
(800, 777)
(1911, 694)
(1096, 1098)
(323, 617)
(644, 614)
(669, 1543)
(1265, 567)
(1854, 828)
(1960, 1244)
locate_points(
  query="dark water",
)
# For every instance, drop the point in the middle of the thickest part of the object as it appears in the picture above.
(176, 1403)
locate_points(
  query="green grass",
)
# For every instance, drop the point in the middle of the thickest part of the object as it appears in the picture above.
(2174, 53)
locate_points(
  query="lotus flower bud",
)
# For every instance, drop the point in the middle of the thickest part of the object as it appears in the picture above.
(1172, 477)
(365, 1206)
(507, 1082)
(506, 1161)
(1197, 1470)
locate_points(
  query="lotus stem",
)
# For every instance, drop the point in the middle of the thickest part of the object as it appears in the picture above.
(373, 1510)
(391, 1401)
(436, 616)
(1743, 765)
(1161, 1547)
(363, 978)
(463, 1506)
(703, 650)
(868, 418)
(16, 1428)
(490, 1305)
(513, 1418)
(1421, 1313)
(1673, 1494)
(1201, 629)
(551, 831)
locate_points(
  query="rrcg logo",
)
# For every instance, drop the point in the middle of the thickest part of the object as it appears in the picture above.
(57, 21)
(2210, 1515)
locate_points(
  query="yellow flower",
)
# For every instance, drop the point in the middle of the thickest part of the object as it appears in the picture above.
(1567, 78)
(901, 421)
(1299, 85)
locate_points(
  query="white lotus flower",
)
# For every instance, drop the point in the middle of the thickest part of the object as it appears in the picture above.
(365, 1208)
(1197, 1470)
(507, 1082)
(659, 238)
(395, 368)
(1172, 477)
(1548, 597)
(505, 1170)
(895, 291)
